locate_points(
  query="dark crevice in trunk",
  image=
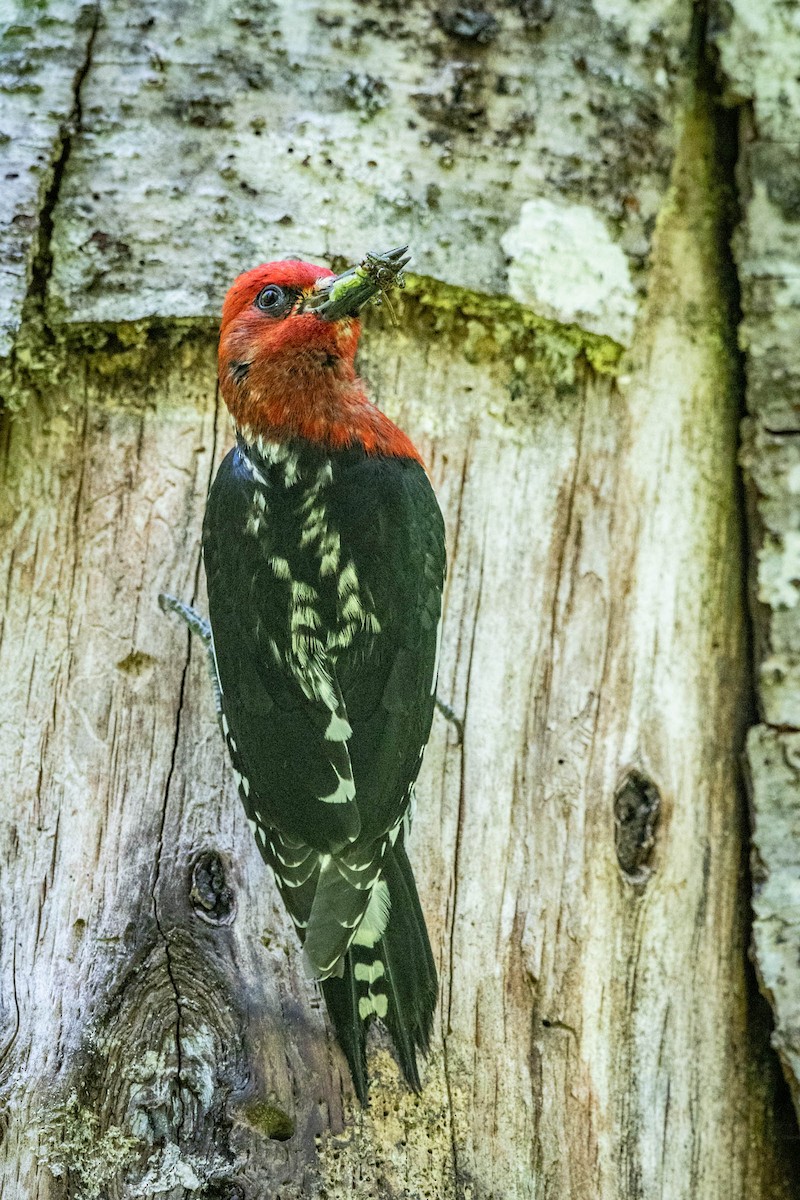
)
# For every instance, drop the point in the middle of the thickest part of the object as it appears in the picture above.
(42, 266)
(162, 931)
(727, 122)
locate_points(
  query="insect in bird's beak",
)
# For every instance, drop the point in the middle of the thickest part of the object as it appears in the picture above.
(346, 294)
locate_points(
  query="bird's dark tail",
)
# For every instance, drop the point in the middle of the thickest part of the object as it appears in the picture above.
(394, 980)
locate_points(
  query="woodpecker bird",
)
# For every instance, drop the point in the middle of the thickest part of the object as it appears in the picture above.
(325, 559)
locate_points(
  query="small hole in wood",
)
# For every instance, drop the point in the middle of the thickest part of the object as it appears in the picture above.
(212, 899)
(637, 809)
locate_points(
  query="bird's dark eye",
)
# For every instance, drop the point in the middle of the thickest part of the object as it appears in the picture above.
(273, 299)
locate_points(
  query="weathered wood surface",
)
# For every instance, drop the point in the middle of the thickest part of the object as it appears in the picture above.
(757, 43)
(201, 137)
(302, 124)
(42, 54)
(580, 853)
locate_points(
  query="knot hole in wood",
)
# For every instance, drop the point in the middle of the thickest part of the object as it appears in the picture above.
(212, 898)
(637, 810)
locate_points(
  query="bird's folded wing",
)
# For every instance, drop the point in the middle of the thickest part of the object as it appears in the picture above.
(286, 721)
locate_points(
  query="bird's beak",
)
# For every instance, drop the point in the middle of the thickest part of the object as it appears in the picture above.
(346, 294)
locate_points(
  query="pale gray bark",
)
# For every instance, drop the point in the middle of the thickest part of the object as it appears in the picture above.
(565, 358)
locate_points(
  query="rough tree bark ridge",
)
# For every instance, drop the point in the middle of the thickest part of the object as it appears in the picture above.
(757, 45)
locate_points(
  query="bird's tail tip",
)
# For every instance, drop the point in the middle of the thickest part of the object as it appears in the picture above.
(393, 980)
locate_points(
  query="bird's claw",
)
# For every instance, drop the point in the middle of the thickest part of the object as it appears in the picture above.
(449, 715)
(202, 628)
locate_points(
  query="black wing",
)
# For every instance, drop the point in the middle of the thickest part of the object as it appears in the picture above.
(387, 511)
(325, 602)
(260, 594)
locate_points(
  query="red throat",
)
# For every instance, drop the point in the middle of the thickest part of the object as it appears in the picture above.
(294, 377)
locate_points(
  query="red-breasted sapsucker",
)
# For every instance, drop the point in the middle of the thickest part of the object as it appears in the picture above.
(325, 558)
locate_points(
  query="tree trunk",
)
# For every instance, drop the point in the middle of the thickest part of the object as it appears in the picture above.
(565, 357)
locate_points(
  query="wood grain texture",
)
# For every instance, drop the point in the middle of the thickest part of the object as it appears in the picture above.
(579, 853)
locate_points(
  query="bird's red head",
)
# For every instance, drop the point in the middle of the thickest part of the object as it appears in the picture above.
(286, 359)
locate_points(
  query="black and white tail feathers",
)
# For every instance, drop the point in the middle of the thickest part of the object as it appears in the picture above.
(394, 980)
